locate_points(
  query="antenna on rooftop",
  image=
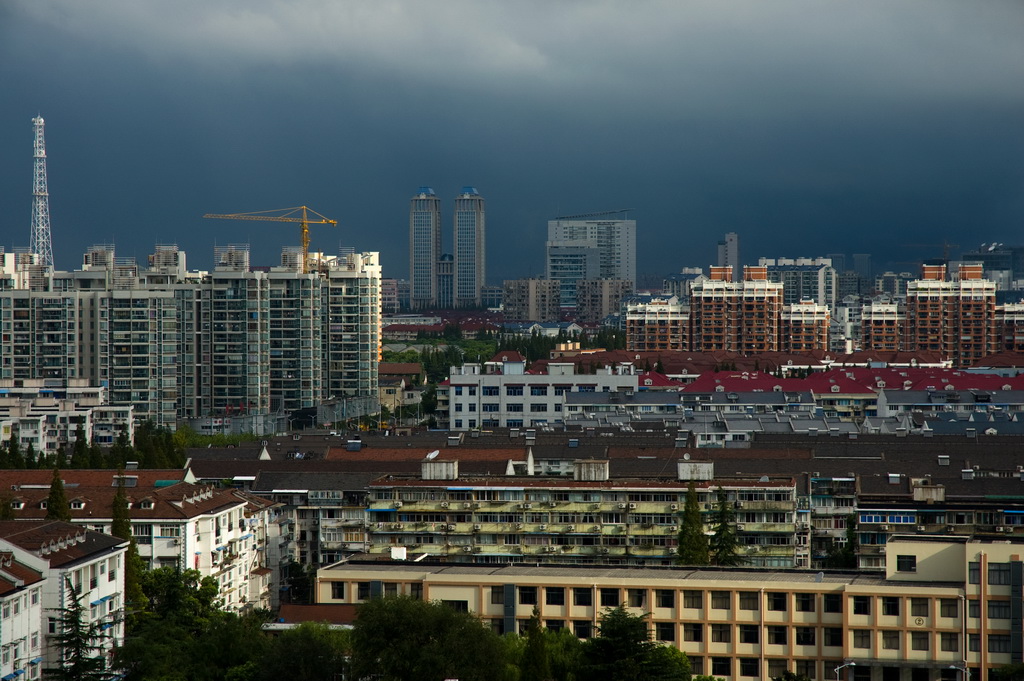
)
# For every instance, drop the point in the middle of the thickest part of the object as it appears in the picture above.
(40, 243)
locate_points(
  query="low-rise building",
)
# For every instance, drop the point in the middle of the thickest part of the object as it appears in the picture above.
(942, 610)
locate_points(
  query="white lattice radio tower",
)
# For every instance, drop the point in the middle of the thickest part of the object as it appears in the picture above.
(40, 244)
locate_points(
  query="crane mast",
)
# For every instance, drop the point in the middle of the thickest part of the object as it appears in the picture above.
(40, 243)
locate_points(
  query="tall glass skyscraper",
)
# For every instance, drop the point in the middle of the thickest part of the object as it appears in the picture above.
(470, 245)
(424, 247)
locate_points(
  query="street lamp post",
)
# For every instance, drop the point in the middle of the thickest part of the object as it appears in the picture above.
(963, 670)
(843, 666)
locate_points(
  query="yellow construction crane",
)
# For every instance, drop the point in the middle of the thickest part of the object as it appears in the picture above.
(300, 214)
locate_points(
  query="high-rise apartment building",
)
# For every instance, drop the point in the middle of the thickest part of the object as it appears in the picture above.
(424, 247)
(598, 298)
(178, 345)
(577, 245)
(470, 268)
(811, 279)
(661, 324)
(742, 316)
(729, 251)
(534, 300)
(955, 318)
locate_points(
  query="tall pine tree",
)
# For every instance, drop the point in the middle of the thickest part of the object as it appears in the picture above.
(121, 527)
(693, 543)
(80, 643)
(724, 544)
(57, 506)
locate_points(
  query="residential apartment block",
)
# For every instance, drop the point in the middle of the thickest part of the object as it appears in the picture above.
(598, 298)
(177, 345)
(534, 300)
(221, 533)
(942, 609)
(42, 564)
(514, 398)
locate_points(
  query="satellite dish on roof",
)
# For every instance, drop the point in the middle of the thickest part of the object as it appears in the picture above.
(686, 457)
(764, 478)
(433, 454)
(819, 577)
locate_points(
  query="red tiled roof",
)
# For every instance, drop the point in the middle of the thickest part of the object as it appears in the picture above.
(400, 368)
(420, 454)
(89, 477)
(340, 613)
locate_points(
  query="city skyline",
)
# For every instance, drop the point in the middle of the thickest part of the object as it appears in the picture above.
(805, 129)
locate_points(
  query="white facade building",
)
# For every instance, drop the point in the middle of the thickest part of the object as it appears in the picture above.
(514, 398)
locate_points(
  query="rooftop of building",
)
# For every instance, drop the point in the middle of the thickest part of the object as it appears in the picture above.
(62, 544)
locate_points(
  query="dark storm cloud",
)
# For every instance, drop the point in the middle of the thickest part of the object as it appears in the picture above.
(807, 127)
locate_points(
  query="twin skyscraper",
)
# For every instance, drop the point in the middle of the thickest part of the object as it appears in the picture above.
(445, 280)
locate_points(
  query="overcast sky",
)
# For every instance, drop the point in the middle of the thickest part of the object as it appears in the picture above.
(806, 127)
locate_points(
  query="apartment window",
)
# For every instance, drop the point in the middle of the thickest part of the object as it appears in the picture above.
(949, 607)
(554, 595)
(804, 602)
(806, 668)
(538, 407)
(832, 636)
(974, 573)
(891, 640)
(805, 636)
(582, 628)
(974, 643)
(538, 390)
(999, 609)
(749, 666)
(861, 638)
(721, 666)
(338, 591)
(514, 406)
(636, 597)
(998, 573)
(861, 605)
(693, 599)
(720, 600)
(919, 607)
(777, 601)
(554, 625)
(665, 631)
(973, 609)
(749, 633)
(489, 391)
(528, 595)
(693, 632)
(919, 640)
(998, 643)
(665, 598)
(721, 633)
(777, 635)
(363, 591)
(949, 642)
(832, 602)
(748, 600)
(497, 595)
(906, 563)
(777, 668)
(609, 598)
(514, 390)
(582, 597)
(891, 606)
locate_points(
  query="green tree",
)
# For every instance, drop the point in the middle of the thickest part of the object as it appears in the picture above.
(80, 643)
(404, 639)
(624, 651)
(724, 543)
(182, 611)
(536, 663)
(121, 527)
(31, 461)
(693, 542)
(80, 451)
(57, 506)
(312, 651)
(843, 556)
